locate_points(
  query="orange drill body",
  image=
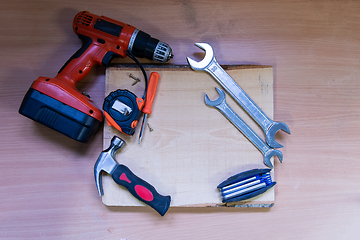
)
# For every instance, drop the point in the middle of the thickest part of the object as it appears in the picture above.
(102, 39)
(98, 47)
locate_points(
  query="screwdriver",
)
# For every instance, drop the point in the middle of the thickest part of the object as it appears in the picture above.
(153, 82)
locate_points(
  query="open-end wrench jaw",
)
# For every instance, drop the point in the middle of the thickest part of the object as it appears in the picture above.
(106, 162)
(209, 57)
(270, 154)
(271, 132)
(218, 101)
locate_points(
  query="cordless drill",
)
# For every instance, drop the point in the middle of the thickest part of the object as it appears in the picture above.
(57, 103)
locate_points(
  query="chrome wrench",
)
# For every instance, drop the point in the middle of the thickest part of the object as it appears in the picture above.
(227, 111)
(210, 65)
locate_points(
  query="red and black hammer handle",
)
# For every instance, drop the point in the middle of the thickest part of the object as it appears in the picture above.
(141, 189)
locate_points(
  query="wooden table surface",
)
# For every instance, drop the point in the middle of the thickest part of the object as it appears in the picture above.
(46, 179)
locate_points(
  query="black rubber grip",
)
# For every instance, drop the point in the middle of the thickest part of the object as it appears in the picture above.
(141, 189)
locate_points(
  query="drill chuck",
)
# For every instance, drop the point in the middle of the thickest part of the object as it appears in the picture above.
(162, 52)
(143, 45)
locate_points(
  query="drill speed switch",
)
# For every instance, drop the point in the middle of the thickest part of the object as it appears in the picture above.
(122, 110)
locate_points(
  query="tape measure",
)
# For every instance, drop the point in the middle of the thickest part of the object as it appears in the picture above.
(122, 110)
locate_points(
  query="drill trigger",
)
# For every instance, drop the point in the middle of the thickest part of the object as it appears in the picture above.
(109, 56)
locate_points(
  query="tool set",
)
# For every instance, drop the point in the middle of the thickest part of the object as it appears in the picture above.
(246, 185)
(58, 104)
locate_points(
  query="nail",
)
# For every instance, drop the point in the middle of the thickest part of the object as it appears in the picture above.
(135, 78)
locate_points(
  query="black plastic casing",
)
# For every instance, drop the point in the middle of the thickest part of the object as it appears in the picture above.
(144, 45)
(59, 116)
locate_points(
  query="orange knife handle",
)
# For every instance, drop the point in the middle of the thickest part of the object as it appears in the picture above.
(153, 82)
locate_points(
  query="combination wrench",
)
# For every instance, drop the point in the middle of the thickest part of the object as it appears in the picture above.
(229, 113)
(210, 65)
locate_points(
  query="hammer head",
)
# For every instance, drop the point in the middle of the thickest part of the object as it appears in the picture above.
(106, 161)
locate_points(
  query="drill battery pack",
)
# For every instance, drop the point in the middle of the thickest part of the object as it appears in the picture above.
(58, 116)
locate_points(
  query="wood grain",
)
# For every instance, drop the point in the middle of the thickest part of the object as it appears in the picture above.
(46, 179)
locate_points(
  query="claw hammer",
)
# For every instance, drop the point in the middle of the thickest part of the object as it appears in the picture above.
(122, 175)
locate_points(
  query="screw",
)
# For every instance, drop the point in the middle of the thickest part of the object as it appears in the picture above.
(85, 94)
(150, 129)
(135, 78)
